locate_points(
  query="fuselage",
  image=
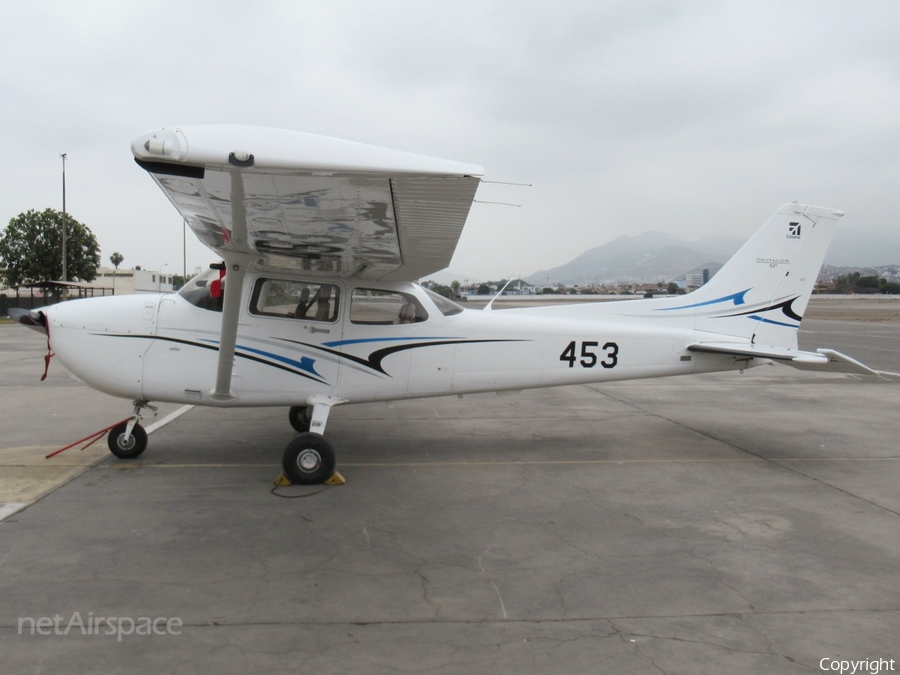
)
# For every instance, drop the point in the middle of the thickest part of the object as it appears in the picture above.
(359, 341)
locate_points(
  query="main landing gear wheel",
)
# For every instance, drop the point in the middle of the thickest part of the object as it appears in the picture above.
(131, 448)
(308, 460)
(300, 418)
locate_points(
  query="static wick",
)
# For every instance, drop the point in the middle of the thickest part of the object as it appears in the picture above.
(479, 201)
(505, 182)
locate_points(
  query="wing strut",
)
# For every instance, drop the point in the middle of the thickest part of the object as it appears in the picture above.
(234, 290)
(231, 310)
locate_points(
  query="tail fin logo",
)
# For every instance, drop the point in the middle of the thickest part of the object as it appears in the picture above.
(793, 231)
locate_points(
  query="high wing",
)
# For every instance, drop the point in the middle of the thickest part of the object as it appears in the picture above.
(297, 201)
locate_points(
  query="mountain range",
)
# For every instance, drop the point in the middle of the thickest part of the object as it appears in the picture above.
(655, 256)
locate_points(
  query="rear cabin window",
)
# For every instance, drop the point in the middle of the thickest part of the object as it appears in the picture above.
(303, 300)
(385, 308)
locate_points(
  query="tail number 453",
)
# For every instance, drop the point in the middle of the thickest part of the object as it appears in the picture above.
(589, 358)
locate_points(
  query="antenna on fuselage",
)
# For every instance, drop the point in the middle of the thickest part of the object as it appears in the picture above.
(487, 307)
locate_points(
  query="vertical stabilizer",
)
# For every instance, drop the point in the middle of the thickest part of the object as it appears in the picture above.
(762, 291)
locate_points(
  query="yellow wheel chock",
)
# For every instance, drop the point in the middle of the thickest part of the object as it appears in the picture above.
(336, 479)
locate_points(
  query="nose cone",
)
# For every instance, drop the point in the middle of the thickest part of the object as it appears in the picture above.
(101, 341)
(115, 314)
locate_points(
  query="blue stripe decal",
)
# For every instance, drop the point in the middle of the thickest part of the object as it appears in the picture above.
(306, 364)
(737, 298)
(341, 343)
(776, 323)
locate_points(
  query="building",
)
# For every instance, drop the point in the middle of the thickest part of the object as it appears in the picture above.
(127, 282)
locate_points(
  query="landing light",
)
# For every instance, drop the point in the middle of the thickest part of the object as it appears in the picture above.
(158, 146)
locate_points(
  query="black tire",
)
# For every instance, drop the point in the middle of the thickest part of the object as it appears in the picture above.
(308, 460)
(135, 446)
(298, 418)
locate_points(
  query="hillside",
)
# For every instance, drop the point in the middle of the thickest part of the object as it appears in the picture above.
(655, 256)
(647, 257)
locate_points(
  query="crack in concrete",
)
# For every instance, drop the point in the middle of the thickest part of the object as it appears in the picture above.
(708, 643)
(718, 574)
(496, 590)
(631, 515)
(531, 622)
(424, 581)
(419, 563)
(769, 460)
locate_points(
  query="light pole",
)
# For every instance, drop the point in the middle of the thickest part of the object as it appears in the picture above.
(159, 278)
(64, 276)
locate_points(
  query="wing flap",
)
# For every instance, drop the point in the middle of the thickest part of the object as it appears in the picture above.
(430, 215)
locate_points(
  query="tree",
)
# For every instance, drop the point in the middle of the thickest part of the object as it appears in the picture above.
(116, 259)
(31, 249)
(867, 284)
(440, 289)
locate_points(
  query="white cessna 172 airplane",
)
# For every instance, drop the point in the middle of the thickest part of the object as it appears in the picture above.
(315, 303)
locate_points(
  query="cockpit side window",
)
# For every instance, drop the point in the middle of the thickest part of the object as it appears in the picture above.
(304, 300)
(385, 308)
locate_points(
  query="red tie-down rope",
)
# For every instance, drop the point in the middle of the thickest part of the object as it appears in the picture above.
(96, 436)
(49, 355)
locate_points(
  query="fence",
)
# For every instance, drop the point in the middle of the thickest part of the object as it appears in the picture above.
(49, 294)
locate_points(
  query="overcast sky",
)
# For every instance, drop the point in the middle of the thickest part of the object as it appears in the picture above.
(692, 118)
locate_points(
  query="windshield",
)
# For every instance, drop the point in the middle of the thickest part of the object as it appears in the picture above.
(446, 305)
(198, 291)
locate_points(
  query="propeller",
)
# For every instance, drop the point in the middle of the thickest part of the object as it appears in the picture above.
(32, 318)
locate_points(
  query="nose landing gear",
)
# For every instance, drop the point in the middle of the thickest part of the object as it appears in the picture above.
(128, 439)
(124, 444)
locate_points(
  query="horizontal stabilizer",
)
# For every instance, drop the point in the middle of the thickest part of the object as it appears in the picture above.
(758, 352)
(841, 363)
(825, 360)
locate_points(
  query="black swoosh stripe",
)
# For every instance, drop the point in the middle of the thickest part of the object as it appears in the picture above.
(785, 307)
(375, 358)
(215, 348)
